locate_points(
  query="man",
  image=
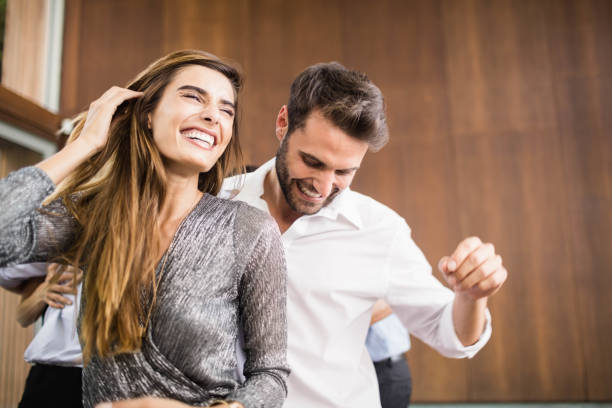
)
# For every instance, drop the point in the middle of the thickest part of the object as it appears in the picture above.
(345, 250)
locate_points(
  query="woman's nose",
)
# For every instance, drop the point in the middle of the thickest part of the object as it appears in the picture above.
(210, 114)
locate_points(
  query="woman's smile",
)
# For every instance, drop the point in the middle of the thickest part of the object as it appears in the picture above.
(202, 138)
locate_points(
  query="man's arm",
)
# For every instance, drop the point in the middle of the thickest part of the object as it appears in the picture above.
(475, 272)
(449, 321)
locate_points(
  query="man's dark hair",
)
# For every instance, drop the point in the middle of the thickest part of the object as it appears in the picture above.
(346, 98)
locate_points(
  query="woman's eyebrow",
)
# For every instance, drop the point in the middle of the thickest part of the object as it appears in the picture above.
(204, 93)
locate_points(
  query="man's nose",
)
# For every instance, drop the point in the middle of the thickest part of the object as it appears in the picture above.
(324, 182)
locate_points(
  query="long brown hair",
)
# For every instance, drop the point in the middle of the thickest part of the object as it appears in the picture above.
(116, 197)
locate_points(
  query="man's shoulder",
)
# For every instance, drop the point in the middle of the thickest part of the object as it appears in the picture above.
(231, 186)
(372, 211)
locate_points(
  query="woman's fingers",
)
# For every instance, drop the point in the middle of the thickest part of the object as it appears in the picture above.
(100, 114)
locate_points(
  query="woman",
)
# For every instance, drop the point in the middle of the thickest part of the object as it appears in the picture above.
(170, 271)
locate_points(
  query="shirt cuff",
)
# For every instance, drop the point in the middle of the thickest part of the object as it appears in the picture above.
(454, 348)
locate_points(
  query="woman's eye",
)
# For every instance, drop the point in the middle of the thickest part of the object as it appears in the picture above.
(228, 112)
(192, 96)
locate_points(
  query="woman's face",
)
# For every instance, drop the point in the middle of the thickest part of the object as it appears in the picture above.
(192, 123)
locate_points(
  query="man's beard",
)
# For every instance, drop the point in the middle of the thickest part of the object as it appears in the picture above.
(296, 203)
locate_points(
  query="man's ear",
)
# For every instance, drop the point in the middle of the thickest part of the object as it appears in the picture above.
(282, 123)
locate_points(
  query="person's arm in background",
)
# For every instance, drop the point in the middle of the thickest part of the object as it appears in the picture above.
(38, 293)
(14, 278)
(387, 337)
(387, 342)
(381, 310)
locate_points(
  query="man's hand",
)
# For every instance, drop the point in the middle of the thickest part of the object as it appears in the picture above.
(474, 269)
(475, 272)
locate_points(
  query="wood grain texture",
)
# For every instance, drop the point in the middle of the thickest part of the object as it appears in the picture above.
(13, 338)
(499, 119)
(70, 59)
(504, 132)
(24, 59)
(27, 115)
(583, 84)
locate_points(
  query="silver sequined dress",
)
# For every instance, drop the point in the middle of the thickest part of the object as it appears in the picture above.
(225, 265)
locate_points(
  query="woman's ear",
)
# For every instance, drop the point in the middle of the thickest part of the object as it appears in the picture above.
(149, 121)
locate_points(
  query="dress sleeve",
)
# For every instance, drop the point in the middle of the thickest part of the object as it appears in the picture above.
(13, 276)
(29, 232)
(422, 303)
(263, 315)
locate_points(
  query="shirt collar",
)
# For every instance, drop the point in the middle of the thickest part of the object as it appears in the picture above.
(341, 207)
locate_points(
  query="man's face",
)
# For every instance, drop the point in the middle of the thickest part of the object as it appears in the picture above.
(316, 162)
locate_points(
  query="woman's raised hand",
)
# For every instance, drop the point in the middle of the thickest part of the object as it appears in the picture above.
(93, 137)
(100, 114)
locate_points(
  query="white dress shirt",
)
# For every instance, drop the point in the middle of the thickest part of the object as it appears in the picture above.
(339, 262)
(56, 342)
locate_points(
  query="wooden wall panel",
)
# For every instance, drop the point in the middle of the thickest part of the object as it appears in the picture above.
(13, 342)
(115, 40)
(582, 61)
(497, 111)
(24, 59)
(13, 338)
(284, 38)
(504, 132)
(69, 95)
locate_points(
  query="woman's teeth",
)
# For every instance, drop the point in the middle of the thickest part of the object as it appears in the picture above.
(201, 138)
